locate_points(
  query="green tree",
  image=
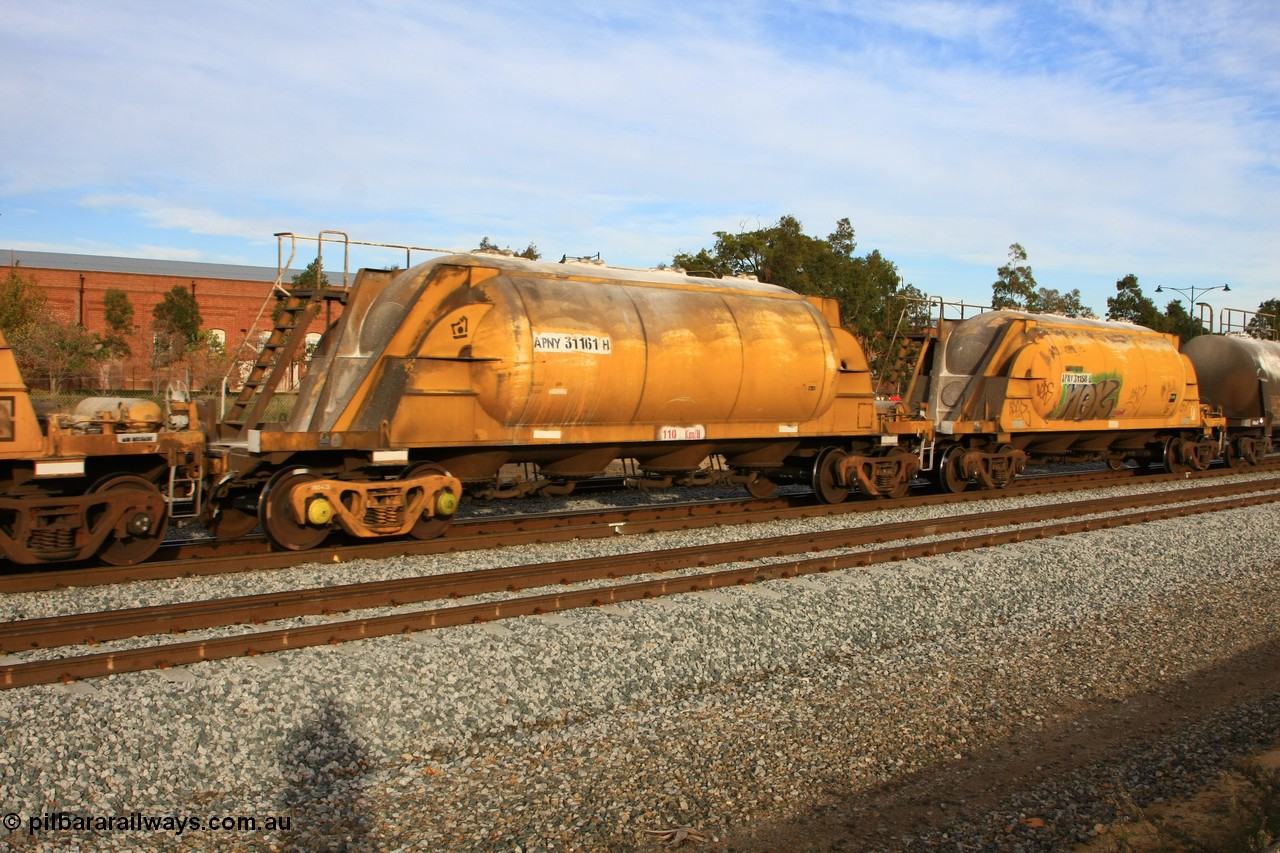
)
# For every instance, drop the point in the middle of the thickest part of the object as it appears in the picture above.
(44, 345)
(774, 254)
(784, 255)
(1049, 301)
(305, 280)
(118, 312)
(310, 277)
(21, 301)
(1266, 323)
(1178, 321)
(175, 324)
(867, 305)
(530, 252)
(914, 307)
(1130, 305)
(56, 350)
(1016, 285)
(207, 363)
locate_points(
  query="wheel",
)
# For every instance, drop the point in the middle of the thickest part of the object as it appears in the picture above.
(144, 530)
(1115, 461)
(1173, 457)
(231, 522)
(276, 513)
(428, 526)
(1241, 453)
(762, 487)
(949, 475)
(1232, 456)
(1003, 482)
(825, 483)
(1250, 449)
(903, 485)
(900, 489)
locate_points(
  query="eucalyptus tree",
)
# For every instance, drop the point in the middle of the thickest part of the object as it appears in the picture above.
(1132, 306)
(1015, 285)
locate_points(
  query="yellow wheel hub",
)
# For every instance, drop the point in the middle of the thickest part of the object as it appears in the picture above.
(319, 512)
(446, 503)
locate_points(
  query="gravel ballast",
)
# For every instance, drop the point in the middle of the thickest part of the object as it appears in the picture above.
(716, 711)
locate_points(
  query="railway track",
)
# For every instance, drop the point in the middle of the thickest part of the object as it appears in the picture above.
(977, 530)
(212, 557)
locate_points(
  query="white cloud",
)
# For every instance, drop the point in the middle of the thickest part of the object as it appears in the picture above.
(1097, 134)
(164, 214)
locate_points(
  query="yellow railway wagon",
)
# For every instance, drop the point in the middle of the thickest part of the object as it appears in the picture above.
(466, 363)
(1007, 387)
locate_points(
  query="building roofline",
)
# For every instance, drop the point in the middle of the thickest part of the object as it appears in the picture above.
(139, 266)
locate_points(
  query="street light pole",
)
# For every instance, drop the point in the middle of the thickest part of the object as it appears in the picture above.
(1225, 288)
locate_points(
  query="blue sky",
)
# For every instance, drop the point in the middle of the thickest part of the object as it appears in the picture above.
(1106, 137)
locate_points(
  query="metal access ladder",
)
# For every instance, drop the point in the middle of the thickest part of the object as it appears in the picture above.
(297, 309)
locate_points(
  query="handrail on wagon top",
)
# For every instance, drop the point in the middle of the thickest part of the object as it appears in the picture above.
(334, 236)
(278, 291)
(1252, 324)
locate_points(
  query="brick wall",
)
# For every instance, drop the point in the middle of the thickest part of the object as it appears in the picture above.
(229, 305)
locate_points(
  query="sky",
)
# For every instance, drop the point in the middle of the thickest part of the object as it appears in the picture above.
(1107, 138)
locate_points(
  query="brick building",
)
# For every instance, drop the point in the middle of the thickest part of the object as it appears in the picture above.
(229, 299)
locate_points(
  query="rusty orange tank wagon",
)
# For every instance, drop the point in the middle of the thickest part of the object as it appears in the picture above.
(467, 363)
(1006, 387)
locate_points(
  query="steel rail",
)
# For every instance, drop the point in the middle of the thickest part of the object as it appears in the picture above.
(97, 627)
(181, 653)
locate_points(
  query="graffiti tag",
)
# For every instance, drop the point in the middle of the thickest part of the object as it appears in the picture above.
(1087, 400)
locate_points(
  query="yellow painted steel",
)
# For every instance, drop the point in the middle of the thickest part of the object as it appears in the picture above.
(570, 355)
(446, 504)
(20, 433)
(469, 350)
(319, 511)
(1007, 371)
